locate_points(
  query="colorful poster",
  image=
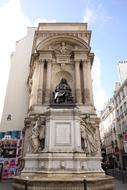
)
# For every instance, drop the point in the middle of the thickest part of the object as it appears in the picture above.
(125, 136)
(12, 151)
(11, 172)
(5, 169)
(125, 146)
(9, 168)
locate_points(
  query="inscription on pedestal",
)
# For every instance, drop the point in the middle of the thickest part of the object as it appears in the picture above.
(62, 134)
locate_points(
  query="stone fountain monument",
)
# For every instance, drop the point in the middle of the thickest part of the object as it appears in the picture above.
(62, 142)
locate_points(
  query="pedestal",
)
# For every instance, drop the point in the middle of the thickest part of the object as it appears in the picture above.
(62, 164)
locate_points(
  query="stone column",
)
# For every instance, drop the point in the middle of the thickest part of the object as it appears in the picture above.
(48, 81)
(87, 81)
(77, 82)
(33, 96)
(40, 81)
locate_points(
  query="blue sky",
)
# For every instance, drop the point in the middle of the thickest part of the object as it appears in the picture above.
(106, 19)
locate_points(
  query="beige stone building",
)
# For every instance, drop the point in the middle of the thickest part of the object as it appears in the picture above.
(108, 129)
(17, 98)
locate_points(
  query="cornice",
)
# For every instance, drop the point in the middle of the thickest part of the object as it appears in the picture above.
(84, 35)
(120, 88)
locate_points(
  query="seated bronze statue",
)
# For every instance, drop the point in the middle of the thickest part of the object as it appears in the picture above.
(63, 93)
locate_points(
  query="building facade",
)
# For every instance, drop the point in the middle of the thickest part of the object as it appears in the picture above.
(120, 100)
(16, 100)
(122, 69)
(15, 108)
(113, 126)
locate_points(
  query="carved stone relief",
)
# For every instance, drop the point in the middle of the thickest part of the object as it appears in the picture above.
(35, 134)
(63, 53)
(38, 135)
(89, 137)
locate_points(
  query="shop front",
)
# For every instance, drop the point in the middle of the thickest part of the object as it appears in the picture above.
(11, 148)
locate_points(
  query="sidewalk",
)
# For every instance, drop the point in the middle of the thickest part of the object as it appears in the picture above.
(118, 174)
(119, 185)
(6, 185)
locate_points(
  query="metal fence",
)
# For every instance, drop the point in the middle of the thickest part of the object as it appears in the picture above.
(118, 174)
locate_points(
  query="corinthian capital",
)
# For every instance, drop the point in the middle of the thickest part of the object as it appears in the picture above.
(77, 61)
(41, 61)
(84, 61)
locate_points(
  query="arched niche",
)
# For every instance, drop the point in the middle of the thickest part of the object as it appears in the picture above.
(63, 74)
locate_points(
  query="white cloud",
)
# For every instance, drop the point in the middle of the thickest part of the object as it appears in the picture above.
(96, 14)
(99, 92)
(39, 20)
(13, 25)
(90, 15)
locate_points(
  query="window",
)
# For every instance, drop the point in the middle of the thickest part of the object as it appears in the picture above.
(125, 106)
(114, 130)
(115, 142)
(9, 117)
(121, 110)
(125, 90)
(117, 113)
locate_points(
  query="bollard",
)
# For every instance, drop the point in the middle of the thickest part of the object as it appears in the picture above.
(122, 176)
(85, 183)
(26, 183)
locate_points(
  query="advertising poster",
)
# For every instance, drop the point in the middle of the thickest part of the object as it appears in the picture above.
(125, 146)
(9, 168)
(11, 153)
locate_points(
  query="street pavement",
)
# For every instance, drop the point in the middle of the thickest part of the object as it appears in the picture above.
(119, 185)
(7, 185)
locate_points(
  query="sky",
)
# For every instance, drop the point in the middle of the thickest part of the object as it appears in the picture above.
(106, 19)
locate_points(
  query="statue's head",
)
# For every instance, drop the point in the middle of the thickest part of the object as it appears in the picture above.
(63, 80)
(63, 43)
